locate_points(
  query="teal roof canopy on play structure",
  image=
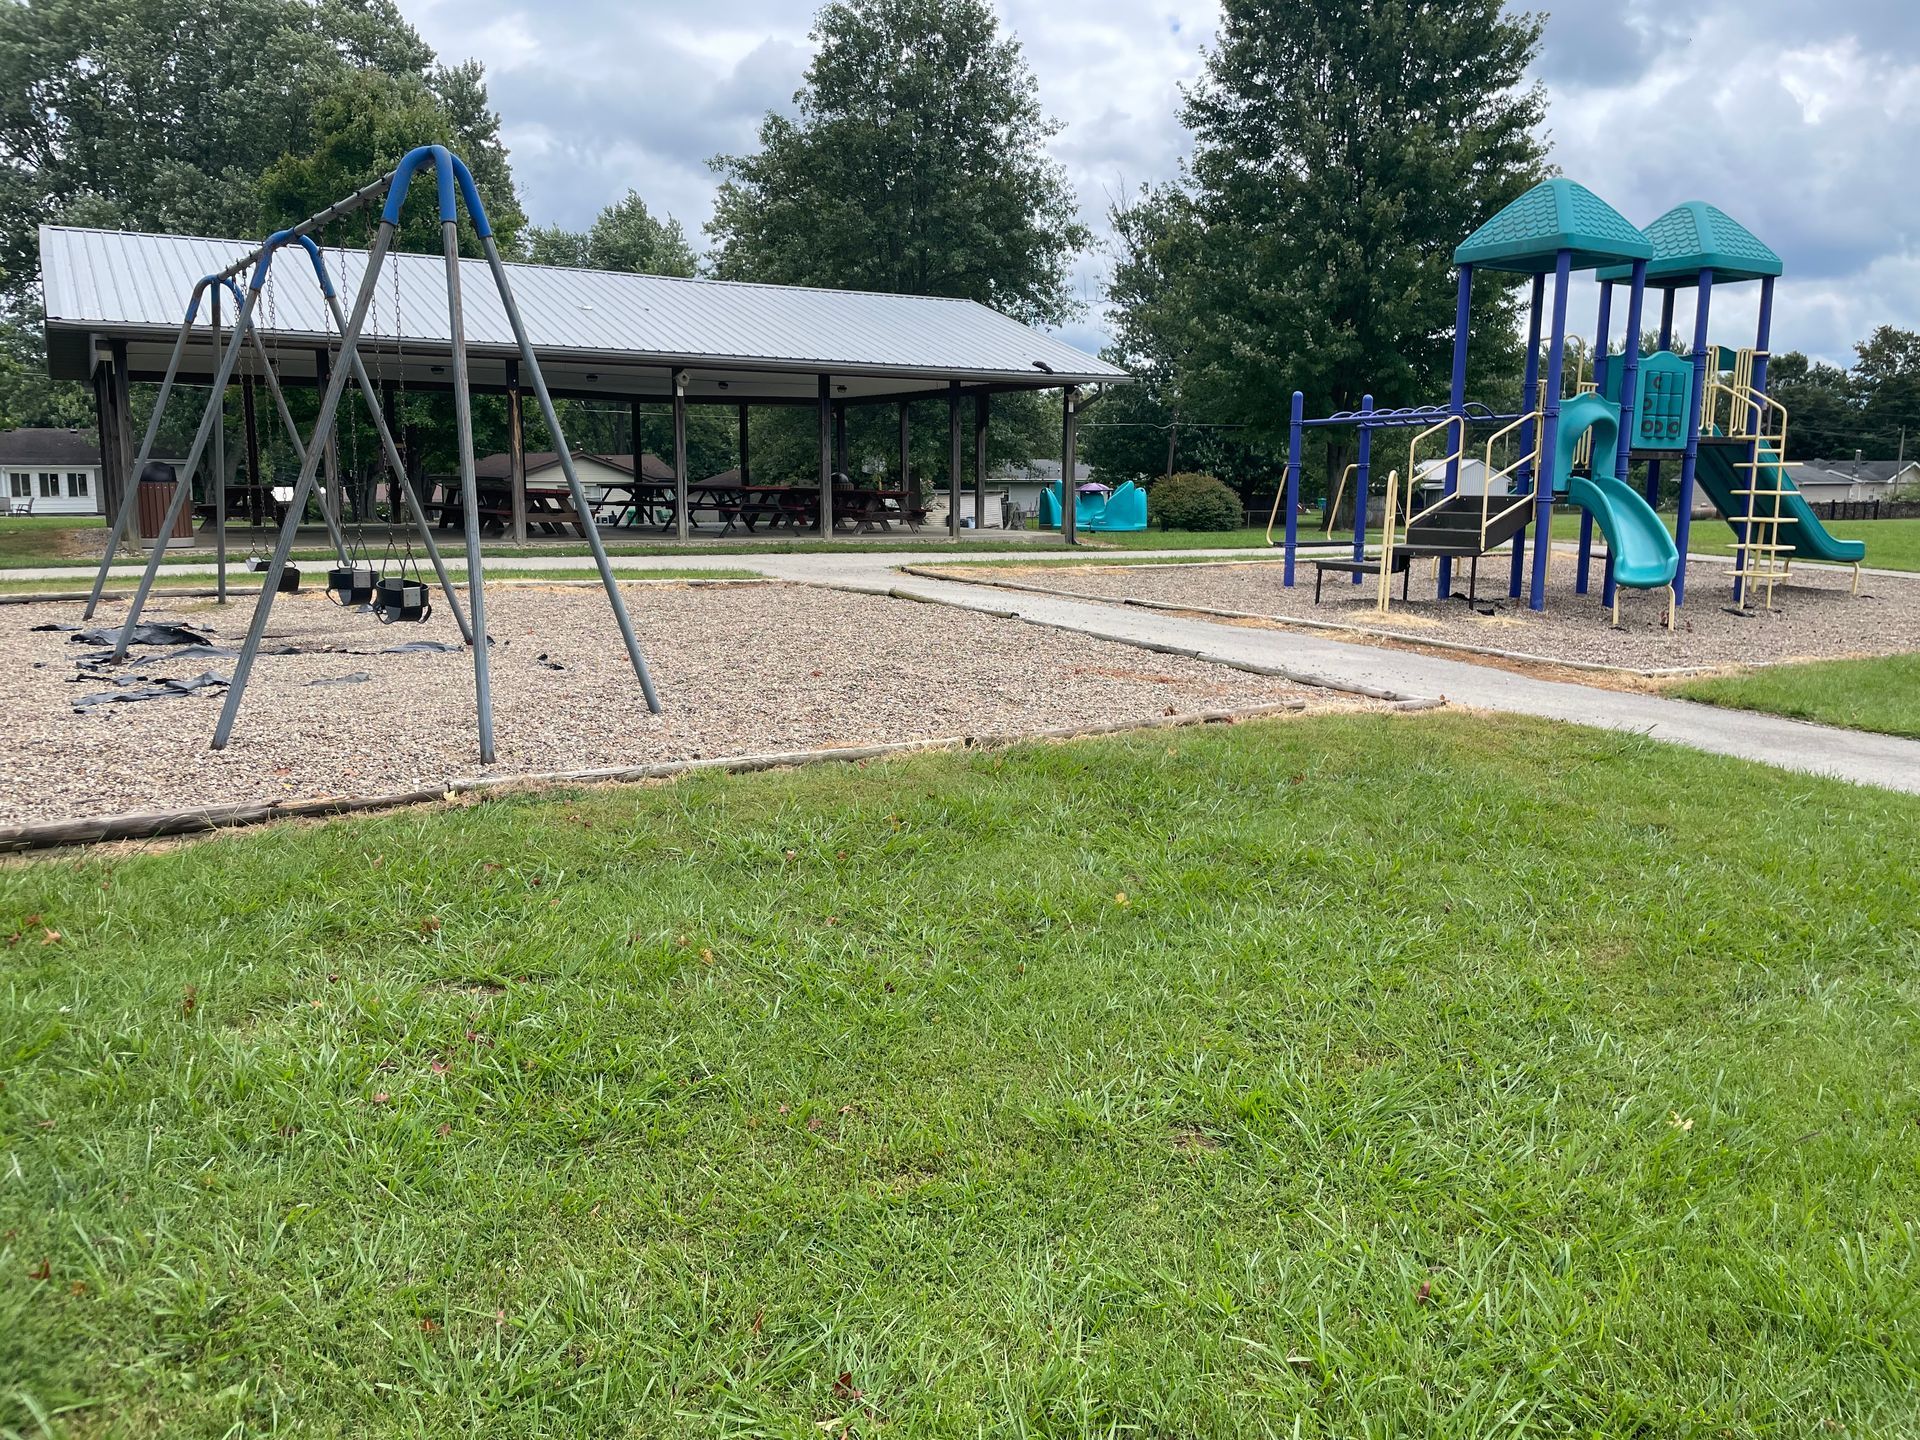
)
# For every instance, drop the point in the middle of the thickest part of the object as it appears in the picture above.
(1695, 236)
(1528, 236)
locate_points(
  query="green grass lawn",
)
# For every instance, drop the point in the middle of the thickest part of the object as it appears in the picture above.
(239, 581)
(47, 539)
(1880, 694)
(1354, 1076)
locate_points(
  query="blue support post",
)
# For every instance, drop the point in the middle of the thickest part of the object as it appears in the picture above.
(1682, 530)
(1529, 402)
(1666, 344)
(1602, 342)
(1629, 400)
(1550, 433)
(1294, 416)
(1456, 405)
(1362, 474)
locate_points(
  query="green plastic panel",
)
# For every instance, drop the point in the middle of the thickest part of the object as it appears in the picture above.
(1663, 399)
(1696, 236)
(1529, 234)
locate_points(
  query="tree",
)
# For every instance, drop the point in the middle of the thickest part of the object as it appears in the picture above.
(917, 165)
(1887, 375)
(1342, 149)
(625, 236)
(1822, 405)
(162, 115)
(363, 125)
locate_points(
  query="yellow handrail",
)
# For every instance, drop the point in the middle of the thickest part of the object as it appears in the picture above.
(1486, 491)
(1383, 596)
(1413, 467)
(1339, 494)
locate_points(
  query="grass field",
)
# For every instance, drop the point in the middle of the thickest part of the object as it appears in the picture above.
(1879, 694)
(1433, 1076)
(47, 539)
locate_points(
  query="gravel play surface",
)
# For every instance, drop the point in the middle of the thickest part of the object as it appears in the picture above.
(1814, 616)
(741, 670)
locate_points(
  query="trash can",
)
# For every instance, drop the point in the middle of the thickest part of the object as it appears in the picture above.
(155, 494)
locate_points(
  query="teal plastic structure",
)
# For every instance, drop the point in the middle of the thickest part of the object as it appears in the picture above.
(1121, 509)
(1663, 399)
(1718, 474)
(1695, 236)
(1642, 552)
(1527, 237)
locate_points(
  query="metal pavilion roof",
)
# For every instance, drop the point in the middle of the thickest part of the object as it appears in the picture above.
(596, 332)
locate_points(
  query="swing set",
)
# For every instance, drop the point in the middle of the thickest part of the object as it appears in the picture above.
(396, 590)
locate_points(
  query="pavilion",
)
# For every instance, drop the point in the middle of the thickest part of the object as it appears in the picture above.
(114, 301)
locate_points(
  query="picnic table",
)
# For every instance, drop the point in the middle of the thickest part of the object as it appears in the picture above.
(655, 500)
(549, 509)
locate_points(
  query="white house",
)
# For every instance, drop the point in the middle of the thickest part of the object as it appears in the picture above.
(50, 472)
(1856, 479)
(1023, 480)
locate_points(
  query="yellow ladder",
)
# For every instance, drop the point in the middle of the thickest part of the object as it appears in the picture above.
(1761, 421)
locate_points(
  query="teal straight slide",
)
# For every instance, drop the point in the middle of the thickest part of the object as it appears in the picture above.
(1718, 472)
(1644, 557)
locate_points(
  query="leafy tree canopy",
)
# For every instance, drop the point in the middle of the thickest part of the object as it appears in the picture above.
(625, 236)
(917, 164)
(163, 114)
(1342, 149)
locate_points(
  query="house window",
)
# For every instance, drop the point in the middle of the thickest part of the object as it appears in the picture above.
(49, 485)
(19, 484)
(77, 483)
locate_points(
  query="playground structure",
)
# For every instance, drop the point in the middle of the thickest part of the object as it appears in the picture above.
(1122, 509)
(1715, 419)
(403, 595)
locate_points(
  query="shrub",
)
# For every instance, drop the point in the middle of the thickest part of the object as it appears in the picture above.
(1193, 502)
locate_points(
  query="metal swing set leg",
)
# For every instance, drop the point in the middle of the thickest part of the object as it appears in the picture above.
(452, 177)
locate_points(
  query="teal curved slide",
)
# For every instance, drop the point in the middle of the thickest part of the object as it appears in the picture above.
(1643, 553)
(1717, 471)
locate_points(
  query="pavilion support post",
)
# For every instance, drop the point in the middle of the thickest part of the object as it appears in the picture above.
(1069, 438)
(981, 408)
(250, 433)
(122, 436)
(516, 453)
(641, 515)
(906, 456)
(745, 475)
(840, 438)
(682, 521)
(953, 459)
(330, 461)
(826, 456)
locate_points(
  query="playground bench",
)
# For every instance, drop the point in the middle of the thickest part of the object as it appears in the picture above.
(1401, 565)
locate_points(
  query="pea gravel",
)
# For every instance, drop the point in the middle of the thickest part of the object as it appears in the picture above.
(740, 669)
(1813, 615)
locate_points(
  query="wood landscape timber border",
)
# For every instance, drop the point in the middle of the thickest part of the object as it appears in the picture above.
(560, 577)
(1174, 607)
(52, 834)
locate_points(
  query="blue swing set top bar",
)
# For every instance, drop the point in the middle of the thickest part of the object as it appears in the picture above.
(451, 178)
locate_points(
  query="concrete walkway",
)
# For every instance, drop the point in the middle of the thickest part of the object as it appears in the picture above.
(1868, 759)
(1881, 760)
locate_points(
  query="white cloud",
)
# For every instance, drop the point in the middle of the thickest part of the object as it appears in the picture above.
(1799, 119)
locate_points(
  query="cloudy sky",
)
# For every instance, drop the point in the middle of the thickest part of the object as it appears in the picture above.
(1801, 118)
